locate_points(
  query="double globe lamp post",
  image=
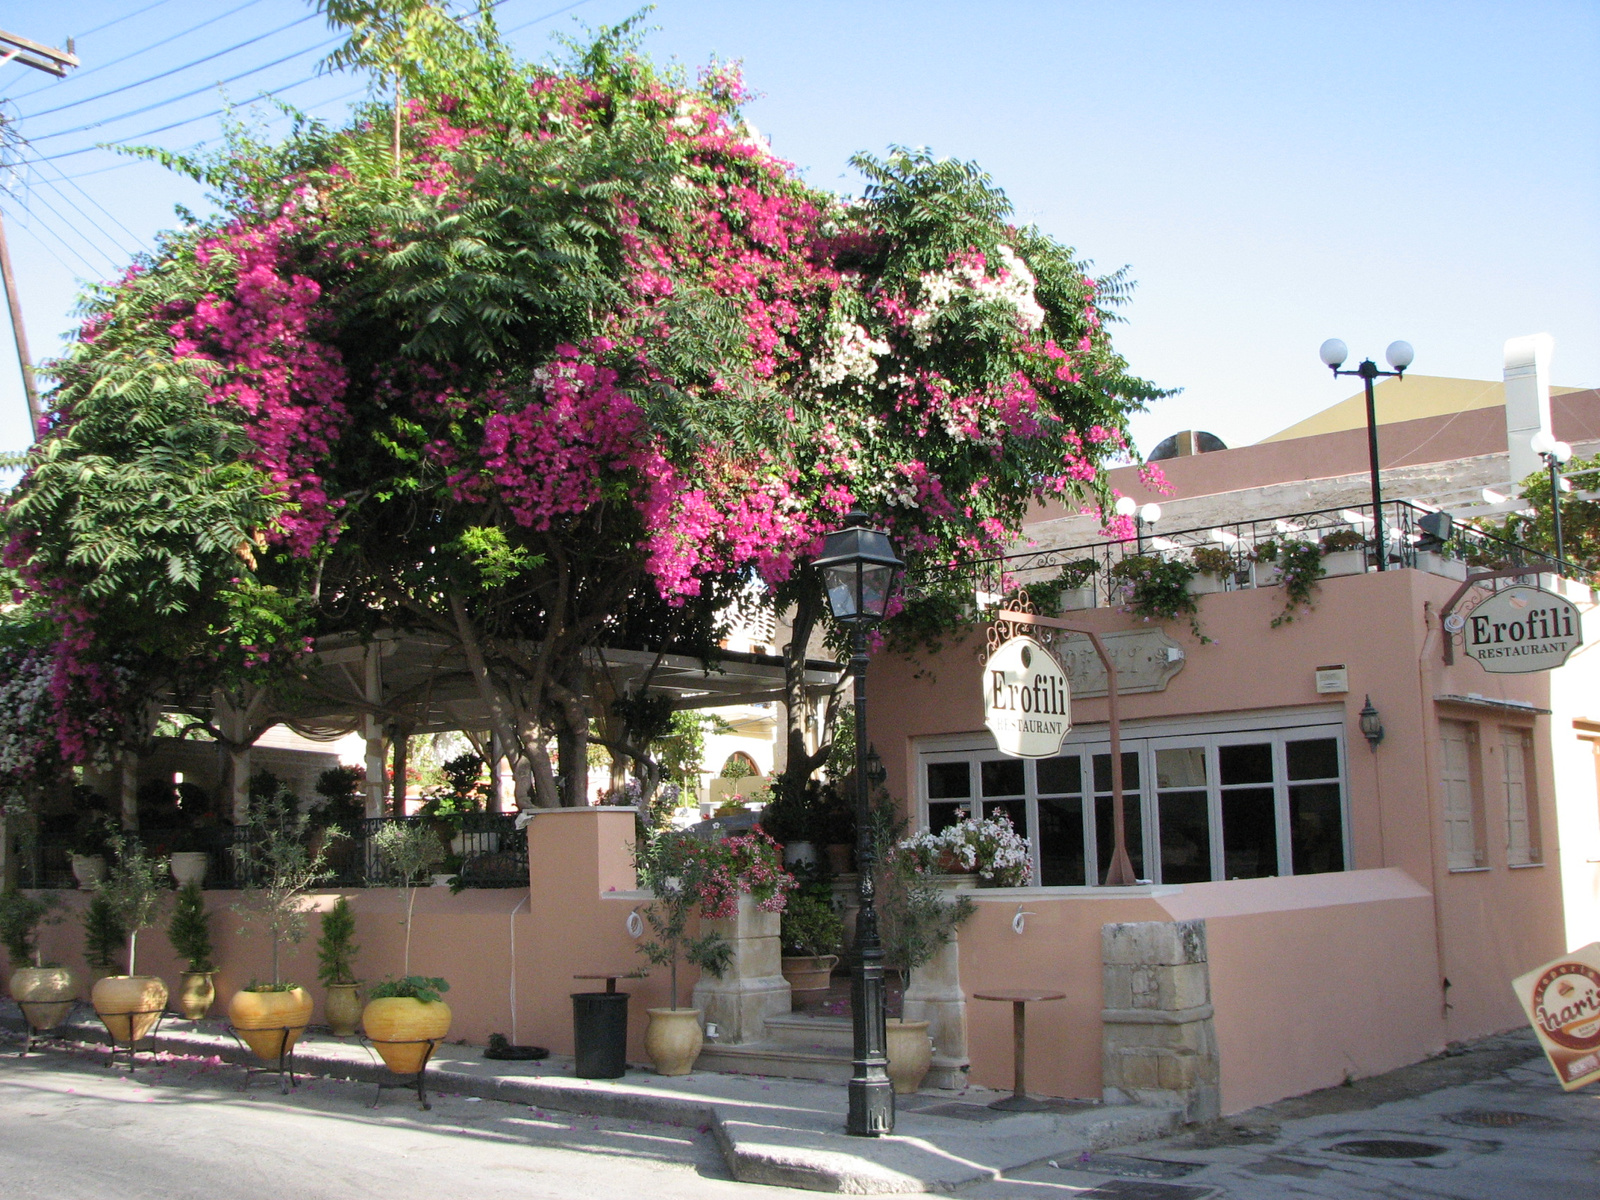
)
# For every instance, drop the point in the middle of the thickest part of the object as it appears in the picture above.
(1333, 353)
(858, 567)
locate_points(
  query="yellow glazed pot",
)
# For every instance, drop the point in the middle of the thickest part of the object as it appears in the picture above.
(342, 1008)
(402, 1027)
(910, 1054)
(673, 1039)
(196, 991)
(47, 994)
(129, 1005)
(262, 1018)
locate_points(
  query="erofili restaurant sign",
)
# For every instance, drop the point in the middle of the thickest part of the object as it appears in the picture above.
(1026, 699)
(1522, 629)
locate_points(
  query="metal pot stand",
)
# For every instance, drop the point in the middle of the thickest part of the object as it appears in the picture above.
(285, 1068)
(53, 1035)
(415, 1080)
(131, 1048)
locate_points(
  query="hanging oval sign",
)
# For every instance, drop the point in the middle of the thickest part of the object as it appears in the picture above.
(1026, 699)
(1522, 629)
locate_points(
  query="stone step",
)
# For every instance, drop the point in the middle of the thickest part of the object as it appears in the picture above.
(830, 1065)
(806, 1032)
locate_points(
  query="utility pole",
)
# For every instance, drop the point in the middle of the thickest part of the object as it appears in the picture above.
(52, 62)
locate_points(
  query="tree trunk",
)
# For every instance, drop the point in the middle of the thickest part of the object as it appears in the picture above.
(402, 741)
(129, 786)
(800, 762)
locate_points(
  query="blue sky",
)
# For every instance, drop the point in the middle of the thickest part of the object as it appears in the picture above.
(1272, 173)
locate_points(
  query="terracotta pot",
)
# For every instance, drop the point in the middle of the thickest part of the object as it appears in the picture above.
(196, 991)
(49, 993)
(673, 1039)
(342, 1008)
(261, 1019)
(129, 1005)
(189, 866)
(401, 1028)
(841, 857)
(910, 1054)
(88, 870)
(809, 978)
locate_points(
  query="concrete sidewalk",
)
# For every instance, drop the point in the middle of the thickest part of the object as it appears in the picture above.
(785, 1132)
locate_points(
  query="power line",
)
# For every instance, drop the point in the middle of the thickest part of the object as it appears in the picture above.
(45, 112)
(121, 19)
(111, 259)
(65, 245)
(45, 246)
(76, 75)
(93, 224)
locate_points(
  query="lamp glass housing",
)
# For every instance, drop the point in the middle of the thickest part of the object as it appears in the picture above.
(1542, 442)
(1125, 506)
(858, 566)
(1371, 724)
(1400, 355)
(1150, 514)
(1333, 353)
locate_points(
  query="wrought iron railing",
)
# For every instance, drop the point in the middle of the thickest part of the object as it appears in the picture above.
(1406, 537)
(493, 853)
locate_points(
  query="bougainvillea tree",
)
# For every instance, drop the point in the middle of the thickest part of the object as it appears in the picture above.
(573, 371)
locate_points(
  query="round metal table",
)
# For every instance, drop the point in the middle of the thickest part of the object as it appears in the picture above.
(1019, 1100)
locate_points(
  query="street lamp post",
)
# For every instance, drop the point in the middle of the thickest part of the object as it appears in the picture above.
(1554, 454)
(858, 566)
(1399, 354)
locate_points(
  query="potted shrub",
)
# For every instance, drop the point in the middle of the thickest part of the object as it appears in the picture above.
(189, 931)
(278, 869)
(674, 867)
(812, 934)
(404, 1018)
(89, 852)
(103, 939)
(336, 968)
(186, 860)
(1214, 570)
(838, 822)
(1156, 589)
(1344, 552)
(134, 887)
(46, 993)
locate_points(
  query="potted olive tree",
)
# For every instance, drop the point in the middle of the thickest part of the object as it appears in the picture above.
(336, 959)
(673, 866)
(45, 992)
(278, 869)
(406, 1017)
(133, 889)
(812, 934)
(189, 931)
(103, 939)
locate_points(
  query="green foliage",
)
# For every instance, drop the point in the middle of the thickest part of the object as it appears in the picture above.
(134, 887)
(1045, 594)
(1580, 519)
(410, 851)
(20, 917)
(275, 985)
(1214, 561)
(104, 935)
(917, 917)
(810, 926)
(671, 868)
(1300, 567)
(189, 930)
(336, 948)
(429, 989)
(341, 788)
(1157, 589)
(1343, 539)
(278, 868)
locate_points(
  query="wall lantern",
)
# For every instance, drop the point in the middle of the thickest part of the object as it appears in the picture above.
(1371, 725)
(877, 773)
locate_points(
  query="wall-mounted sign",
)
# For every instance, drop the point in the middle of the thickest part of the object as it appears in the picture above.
(1562, 1000)
(1026, 699)
(1522, 629)
(1146, 659)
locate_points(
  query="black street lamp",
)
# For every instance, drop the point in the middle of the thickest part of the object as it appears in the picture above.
(1399, 354)
(858, 566)
(1554, 454)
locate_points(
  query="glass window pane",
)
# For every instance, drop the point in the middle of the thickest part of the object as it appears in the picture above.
(1183, 768)
(1017, 810)
(1316, 759)
(949, 781)
(1002, 777)
(1185, 838)
(1249, 834)
(1316, 828)
(1130, 771)
(1245, 764)
(1103, 832)
(1060, 776)
(1061, 841)
(942, 816)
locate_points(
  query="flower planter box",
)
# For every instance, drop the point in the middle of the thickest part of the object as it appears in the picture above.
(1345, 562)
(1438, 564)
(1077, 599)
(1204, 585)
(1265, 575)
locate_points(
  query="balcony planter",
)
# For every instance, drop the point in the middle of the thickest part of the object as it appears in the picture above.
(189, 866)
(1077, 599)
(88, 870)
(910, 1054)
(1345, 562)
(1205, 585)
(1438, 564)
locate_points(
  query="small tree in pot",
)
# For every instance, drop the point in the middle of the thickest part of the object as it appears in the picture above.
(336, 956)
(189, 931)
(103, 938)
(406, 1017)
(45, 993)
(134, 887)
(279, 869)
(812, 934)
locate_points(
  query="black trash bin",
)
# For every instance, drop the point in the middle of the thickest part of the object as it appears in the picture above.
(600, 1034)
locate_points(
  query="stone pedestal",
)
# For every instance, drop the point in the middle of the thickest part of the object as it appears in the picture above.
(1159, 1044)
(933, 994)
(753, 987)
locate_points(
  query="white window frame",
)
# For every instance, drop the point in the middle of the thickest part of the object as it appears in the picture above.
(1277, 727)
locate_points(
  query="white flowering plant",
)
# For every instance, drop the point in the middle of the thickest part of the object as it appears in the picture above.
(990, 848)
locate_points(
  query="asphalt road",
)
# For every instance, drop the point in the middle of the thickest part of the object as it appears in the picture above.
(70, 1129)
